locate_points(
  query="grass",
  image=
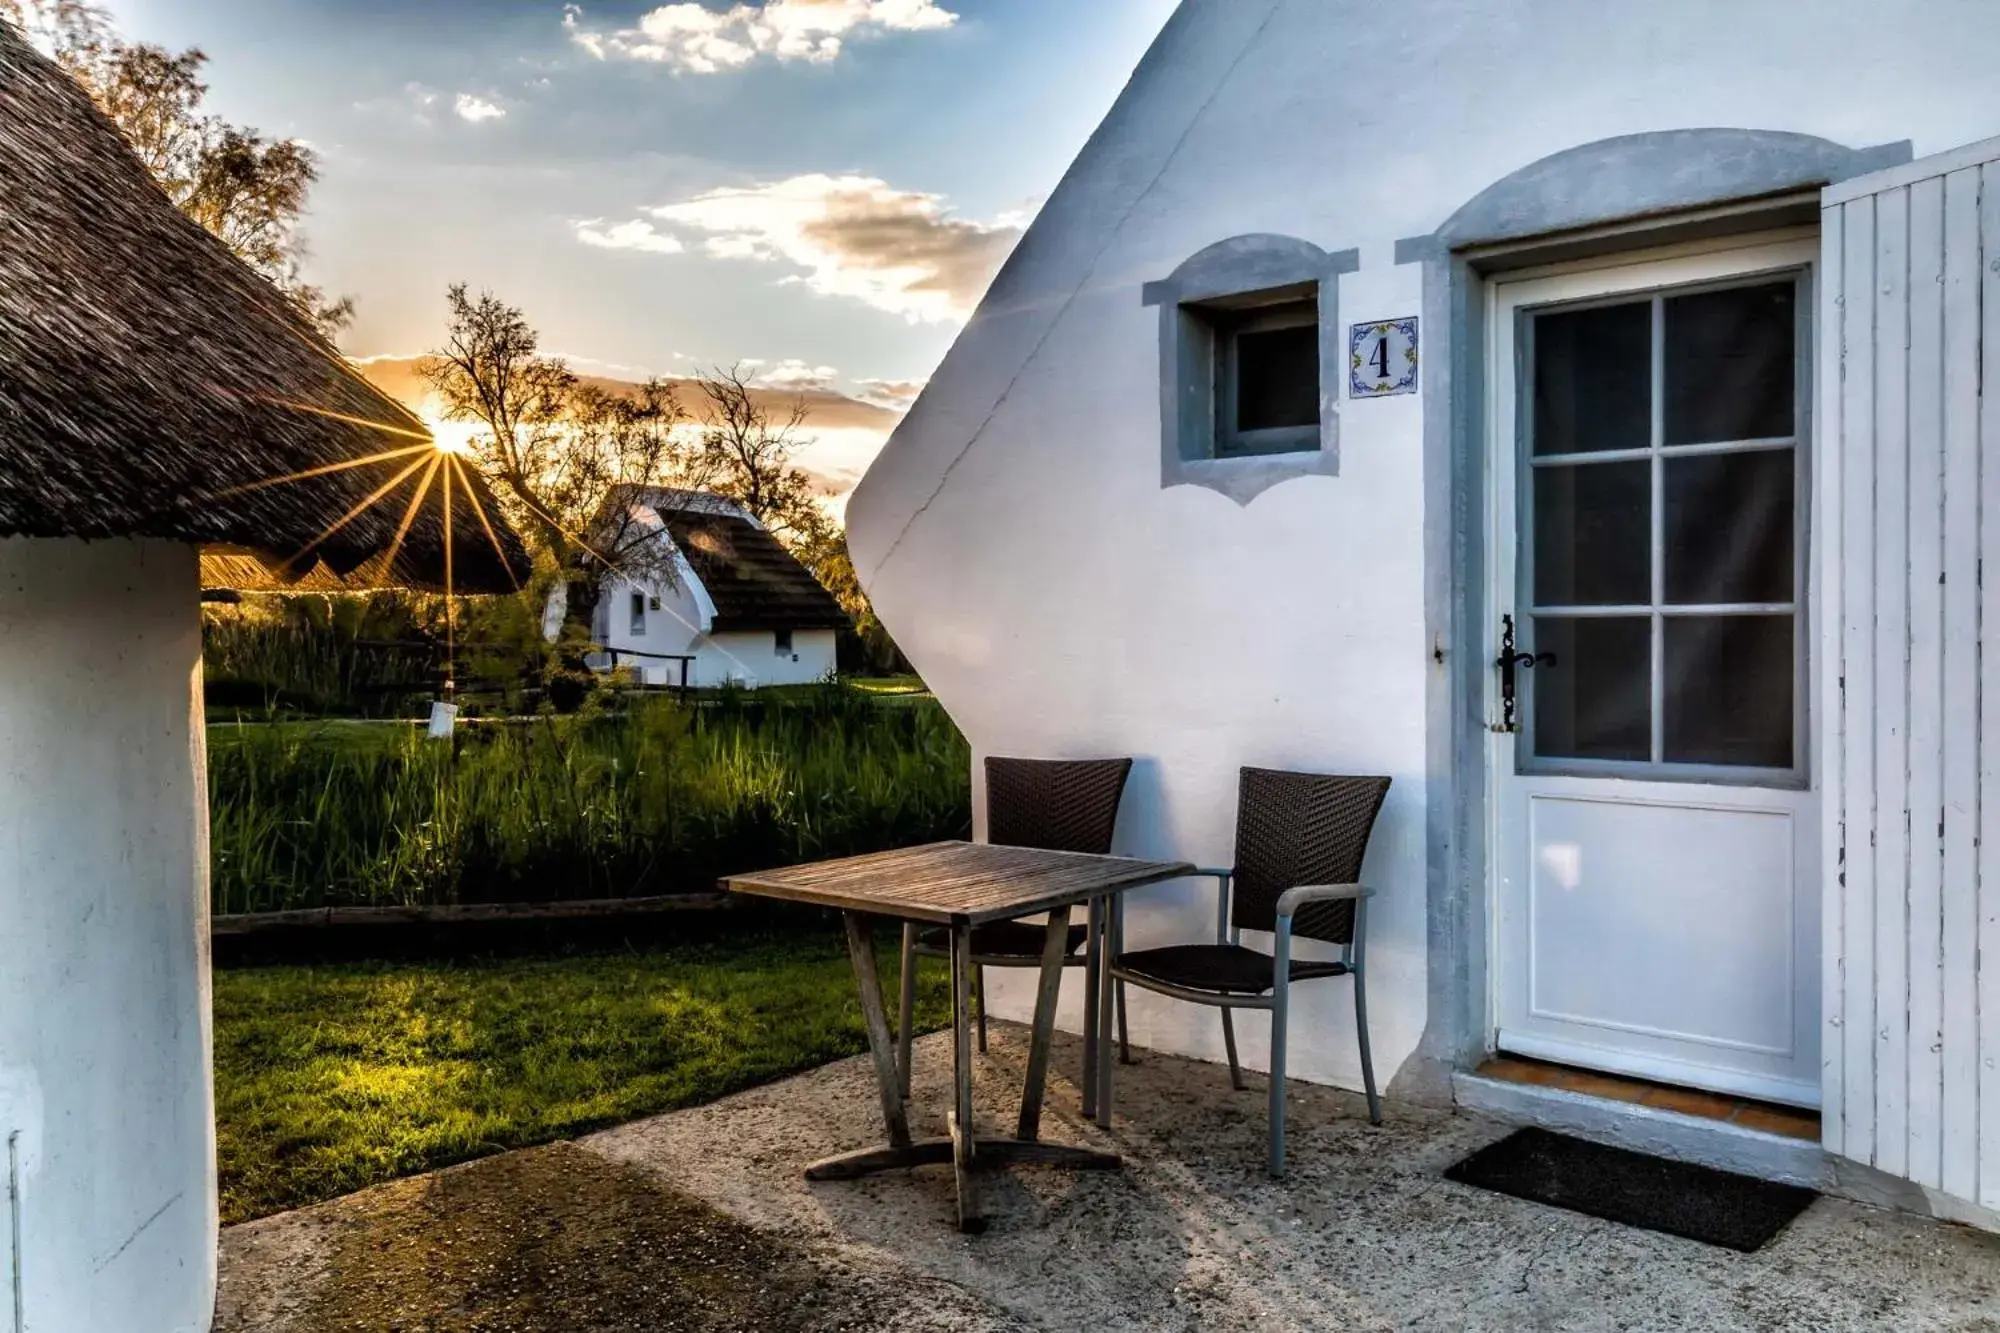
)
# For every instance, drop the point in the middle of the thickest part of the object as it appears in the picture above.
(645, 796)
(333, 1078)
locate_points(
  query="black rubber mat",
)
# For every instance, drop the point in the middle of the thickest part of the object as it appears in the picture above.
(1697, 1202)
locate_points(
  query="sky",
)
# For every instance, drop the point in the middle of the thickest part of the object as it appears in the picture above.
(816, 189)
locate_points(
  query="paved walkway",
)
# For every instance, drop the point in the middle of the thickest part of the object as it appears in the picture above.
(701, 1220)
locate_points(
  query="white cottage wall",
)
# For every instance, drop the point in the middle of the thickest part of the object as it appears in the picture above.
(1014, 535)
(106, 1123)
(751, 657)
(672, 630)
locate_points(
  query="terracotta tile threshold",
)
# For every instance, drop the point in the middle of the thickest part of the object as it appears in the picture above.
(1789, 1121)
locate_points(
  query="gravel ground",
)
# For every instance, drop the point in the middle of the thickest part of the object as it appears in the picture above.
(702, 1220)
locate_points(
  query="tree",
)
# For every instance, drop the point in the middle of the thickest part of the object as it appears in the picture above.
(560, 450)
(748, 458)
(248, 191)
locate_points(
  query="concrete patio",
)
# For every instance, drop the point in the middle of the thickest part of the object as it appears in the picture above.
(702, 1220)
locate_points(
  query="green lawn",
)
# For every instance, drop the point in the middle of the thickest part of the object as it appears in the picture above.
(332, 1078)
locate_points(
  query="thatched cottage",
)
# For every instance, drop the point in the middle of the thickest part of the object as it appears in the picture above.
(1575, 411)
(146, 376)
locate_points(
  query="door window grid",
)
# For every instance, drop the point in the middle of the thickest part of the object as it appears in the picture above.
(1657, 454)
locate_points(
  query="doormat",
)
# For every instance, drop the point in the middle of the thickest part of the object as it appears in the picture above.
(1697, 1202)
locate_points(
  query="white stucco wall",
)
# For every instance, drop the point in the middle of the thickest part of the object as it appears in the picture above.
(678, 628)
(104, 998)
(751, 657)
(1014, 535)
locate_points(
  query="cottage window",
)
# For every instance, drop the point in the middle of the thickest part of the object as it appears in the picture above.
(1266, 369)
(1249, 360)
(784, 638)
(638, 613)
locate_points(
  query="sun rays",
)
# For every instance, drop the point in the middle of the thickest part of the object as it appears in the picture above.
(429, 467)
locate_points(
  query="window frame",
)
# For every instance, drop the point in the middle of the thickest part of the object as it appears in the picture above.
(1657, 453)
(1207, 295)
(784, 641)
(636, 625)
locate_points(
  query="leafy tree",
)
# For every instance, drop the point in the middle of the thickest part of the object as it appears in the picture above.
(247, 190)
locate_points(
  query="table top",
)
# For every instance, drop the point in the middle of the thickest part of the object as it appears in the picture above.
(962, 883)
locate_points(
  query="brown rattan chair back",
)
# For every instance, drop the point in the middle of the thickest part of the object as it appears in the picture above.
(1301, 828)
(1057, 805)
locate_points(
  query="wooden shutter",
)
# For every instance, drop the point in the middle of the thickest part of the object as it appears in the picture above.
(1907, 514)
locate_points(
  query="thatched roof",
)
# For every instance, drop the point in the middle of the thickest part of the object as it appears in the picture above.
(225, 569)
(146, 374)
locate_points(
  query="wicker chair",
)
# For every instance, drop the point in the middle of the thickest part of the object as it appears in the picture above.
(1300, 838)
(1058, 805)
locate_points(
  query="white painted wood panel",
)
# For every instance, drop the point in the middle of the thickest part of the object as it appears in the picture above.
(1828, 755)
(1924, 1053)
(1959, 1093)
(1986, 997)
(1909, 760)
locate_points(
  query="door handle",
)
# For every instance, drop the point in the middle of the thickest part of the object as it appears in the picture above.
(1511, 661)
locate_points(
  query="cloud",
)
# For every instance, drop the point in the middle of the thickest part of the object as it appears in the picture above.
(698, 40)
(792, 374)
(476, 109)
(896, 395)
(855, 237)
(637, 234)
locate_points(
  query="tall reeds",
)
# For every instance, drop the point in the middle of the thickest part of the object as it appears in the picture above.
(653, 797)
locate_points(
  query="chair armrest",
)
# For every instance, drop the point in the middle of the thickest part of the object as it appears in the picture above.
(1222, 880)
(1291, 900)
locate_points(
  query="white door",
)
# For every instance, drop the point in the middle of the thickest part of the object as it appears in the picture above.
(1655, 833)
(1909, 504)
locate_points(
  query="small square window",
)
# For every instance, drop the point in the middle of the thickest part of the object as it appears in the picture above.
(784, 637)
(638, 613)
(1254, 371)
(1250, 364)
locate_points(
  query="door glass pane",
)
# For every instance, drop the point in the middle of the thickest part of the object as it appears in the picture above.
(1593, 525)
(1594, 379)
(1729, 528)
(1730, 369)
(1277, 378)
(1728, 690)
(1595, 700)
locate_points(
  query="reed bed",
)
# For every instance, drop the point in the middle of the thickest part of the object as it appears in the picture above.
(646, 796)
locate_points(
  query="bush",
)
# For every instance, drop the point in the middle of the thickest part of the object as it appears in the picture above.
(652, 797)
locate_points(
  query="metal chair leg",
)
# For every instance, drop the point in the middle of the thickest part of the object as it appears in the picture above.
(906, 1007)
(1280, 996)
(1229, 1044)
(1367, 1064)
(979, 999)
(1118, 947)
(1360, 967)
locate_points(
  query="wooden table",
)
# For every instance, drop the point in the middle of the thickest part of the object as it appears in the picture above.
(960, 885)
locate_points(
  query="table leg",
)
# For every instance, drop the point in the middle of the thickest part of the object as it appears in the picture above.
(881, 1045)
(1092, 960)
(1053, 954)
(964, 1151)
(906, 1007)
(1105, 1009)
